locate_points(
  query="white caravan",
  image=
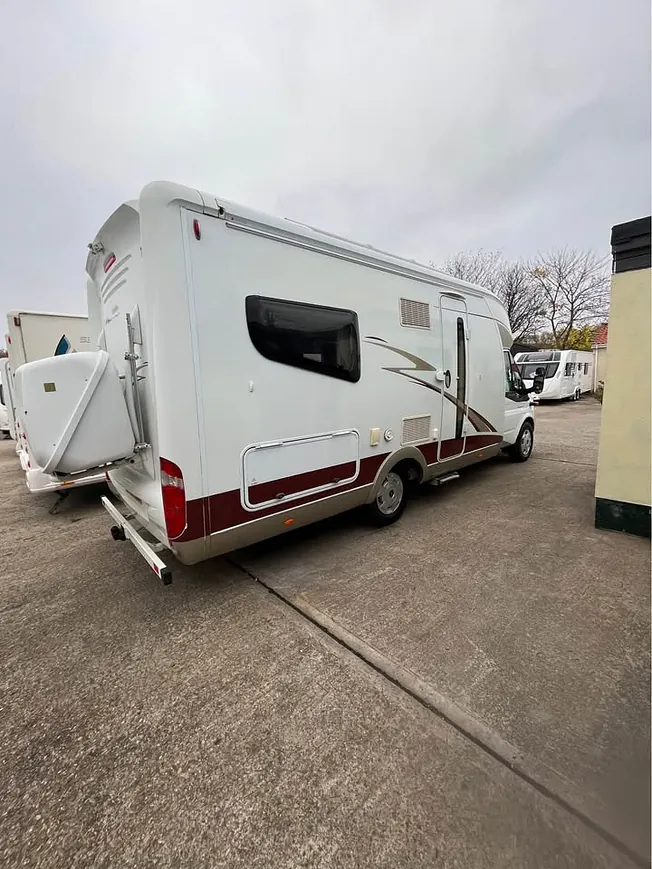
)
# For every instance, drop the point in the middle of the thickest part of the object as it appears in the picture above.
(258, 375)
(31, 336)
(568, 373)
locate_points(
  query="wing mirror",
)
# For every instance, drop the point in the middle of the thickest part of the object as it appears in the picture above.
(538, 381)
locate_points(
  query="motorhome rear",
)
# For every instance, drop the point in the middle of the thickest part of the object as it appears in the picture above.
(274, 375)
(568, 373)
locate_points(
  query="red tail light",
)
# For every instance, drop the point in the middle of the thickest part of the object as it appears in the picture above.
(174, 498)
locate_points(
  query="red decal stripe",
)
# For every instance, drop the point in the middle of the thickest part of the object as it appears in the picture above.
(261, 492)
(224, 510)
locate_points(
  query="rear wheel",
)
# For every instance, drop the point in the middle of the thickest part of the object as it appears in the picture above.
(389, 503)
(522, 449)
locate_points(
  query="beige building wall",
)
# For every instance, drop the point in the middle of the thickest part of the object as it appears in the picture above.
(625, 437)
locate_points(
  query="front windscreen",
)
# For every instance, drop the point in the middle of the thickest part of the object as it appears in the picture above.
(541, 356)
(528, 371)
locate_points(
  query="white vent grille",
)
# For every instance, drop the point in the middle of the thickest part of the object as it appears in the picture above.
(415, 428)
(415, 313)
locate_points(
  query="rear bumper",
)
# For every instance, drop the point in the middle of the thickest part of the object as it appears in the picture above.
(39, 483)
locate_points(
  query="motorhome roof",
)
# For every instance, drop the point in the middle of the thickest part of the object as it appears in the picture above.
(257, 221)
(288, 226)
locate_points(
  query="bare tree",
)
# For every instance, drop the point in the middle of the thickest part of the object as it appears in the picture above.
(512, 282)
(480, 267)
(574, 286)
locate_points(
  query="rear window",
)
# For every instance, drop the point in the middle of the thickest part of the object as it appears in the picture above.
(314, 337)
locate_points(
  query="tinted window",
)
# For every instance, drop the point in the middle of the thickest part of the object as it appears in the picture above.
(2, 395)
(508, 372)
(528, 371)
(541, 356)
(569, 369)
(320, 339)
(513, 381)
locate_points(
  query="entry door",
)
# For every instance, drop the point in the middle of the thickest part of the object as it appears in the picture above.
(454, 329)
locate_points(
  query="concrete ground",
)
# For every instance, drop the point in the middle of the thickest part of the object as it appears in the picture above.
(479, 697)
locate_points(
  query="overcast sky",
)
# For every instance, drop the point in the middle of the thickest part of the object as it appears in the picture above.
(419, 126)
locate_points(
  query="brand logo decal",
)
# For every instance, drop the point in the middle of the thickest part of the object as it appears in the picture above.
(63, 346)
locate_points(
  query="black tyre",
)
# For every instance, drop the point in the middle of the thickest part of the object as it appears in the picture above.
(522, 449)
(390, 501)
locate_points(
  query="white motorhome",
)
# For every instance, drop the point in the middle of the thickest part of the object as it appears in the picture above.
(568, 373)
(32, 336)
(258, 375)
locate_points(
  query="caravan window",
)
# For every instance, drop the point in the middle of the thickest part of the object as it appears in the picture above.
(320, 339)
(569, 369)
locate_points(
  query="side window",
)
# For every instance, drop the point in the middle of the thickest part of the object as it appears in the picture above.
(508, 372)
(568, 370)
(319, 339)
(586, 367)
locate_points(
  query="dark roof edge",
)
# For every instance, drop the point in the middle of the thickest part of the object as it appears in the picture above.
(630, 245)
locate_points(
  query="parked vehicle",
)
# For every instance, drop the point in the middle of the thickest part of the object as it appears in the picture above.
(5, 428)
(32, 336)
(6, 393)
(257, 375)
(568, 373)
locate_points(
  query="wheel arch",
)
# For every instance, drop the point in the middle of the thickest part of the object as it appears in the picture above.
(407, 457)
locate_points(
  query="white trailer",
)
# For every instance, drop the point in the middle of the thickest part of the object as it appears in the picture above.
(32, 336)
(568, 373)
(258, 375)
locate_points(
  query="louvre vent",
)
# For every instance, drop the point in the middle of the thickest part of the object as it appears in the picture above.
(415, 428)
(415, 313)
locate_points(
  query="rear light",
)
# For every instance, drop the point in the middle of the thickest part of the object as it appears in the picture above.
(196, 228)
(108, 262)
(174, 498)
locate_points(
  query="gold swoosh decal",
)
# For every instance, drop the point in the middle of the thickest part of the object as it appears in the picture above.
(476, 419)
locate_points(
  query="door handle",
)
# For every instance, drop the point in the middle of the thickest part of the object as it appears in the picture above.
(447, 378)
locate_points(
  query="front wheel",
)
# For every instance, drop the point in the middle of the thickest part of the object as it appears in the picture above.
(389, 503)
(522, 449)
